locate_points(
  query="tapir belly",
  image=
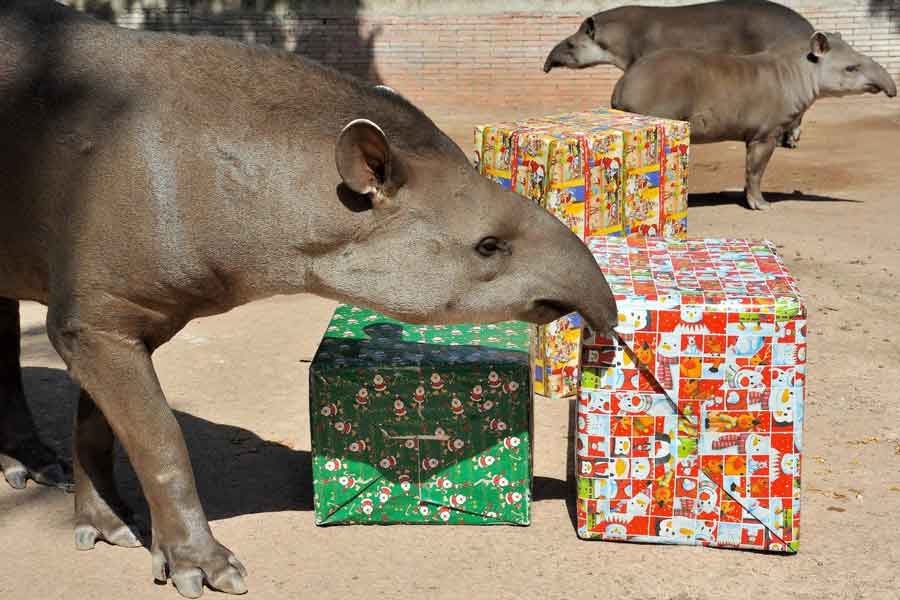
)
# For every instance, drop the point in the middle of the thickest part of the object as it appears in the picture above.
(724, 100)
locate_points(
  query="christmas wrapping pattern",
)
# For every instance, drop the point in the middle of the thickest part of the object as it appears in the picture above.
(555, 352)
(602, 172)
(690, 420)
(420, 424)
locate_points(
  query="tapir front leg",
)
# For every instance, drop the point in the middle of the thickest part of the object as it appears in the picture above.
(113, 366)
(758, 155)
(22, 454)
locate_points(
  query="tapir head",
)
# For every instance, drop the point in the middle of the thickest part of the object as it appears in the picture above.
(435, 242)
(597, 42)
(842, 71)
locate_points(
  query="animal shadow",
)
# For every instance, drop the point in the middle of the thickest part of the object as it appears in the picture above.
(722, 198)
(237, 472)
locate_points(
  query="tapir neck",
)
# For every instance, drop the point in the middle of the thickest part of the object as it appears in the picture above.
(800, 81)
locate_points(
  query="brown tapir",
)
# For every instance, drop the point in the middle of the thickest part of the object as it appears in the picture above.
(622, 36)
(753, 99)
(148, 179)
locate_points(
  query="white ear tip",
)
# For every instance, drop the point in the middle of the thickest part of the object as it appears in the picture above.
(362, 122)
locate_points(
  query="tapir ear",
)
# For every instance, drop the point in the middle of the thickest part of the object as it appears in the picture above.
(589, 27)
(363, 158)
(818, 44)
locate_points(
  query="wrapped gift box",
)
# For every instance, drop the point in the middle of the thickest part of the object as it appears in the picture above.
(415, 424)
(602, 172)
(689, 422)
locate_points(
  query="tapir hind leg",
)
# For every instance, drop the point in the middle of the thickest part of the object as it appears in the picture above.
(758, 155)
(22, 454)
(99, 512)
(107, 352)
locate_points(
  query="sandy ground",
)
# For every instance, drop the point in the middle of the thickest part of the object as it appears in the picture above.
(239, 389)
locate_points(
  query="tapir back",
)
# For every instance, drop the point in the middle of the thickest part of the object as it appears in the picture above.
(726, 27)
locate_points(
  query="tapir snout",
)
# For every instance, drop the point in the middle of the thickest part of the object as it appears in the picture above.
(881, 80)
(581, 50)
(562, 55)
(545, 240)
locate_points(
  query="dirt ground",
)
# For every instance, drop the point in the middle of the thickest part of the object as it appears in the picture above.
(239, 387)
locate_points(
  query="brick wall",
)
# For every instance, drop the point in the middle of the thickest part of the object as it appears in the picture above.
(459, 51)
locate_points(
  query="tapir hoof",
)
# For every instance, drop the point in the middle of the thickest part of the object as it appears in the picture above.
(32, 460)
(759, 204)
(189, 567)
(87, 536)
(96, 521)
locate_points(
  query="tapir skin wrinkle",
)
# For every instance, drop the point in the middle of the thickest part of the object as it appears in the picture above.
(149, 179)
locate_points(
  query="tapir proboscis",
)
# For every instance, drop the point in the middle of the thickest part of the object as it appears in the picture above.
(148, 179)
(623, 35)
(752, 99)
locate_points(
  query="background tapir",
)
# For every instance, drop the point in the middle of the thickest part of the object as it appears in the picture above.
(622, 36)
(149, 179)
(753, 99)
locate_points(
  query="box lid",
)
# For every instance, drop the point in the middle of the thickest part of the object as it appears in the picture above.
(724, 275)
(359, 337)
(579, 124)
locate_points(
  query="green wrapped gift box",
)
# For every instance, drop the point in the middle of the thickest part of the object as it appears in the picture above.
(420, 424)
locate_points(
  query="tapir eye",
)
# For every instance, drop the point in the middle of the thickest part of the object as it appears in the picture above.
(851, 68)
(490, 246)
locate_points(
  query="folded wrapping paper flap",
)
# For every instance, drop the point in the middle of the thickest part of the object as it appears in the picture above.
(760, 514)
(429, 456)
(440, 437)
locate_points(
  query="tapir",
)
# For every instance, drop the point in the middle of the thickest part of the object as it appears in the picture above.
(622, 36)
(148, 179)
(752, 99)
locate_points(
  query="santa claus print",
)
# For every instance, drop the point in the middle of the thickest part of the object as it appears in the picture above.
(437, 383)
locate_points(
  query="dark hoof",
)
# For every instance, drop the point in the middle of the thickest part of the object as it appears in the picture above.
(98, 522)
(87, 536)
(36, 462)
(758, 202)
(218, 569)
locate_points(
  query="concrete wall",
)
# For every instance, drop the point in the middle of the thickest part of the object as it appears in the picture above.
(445, 53)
